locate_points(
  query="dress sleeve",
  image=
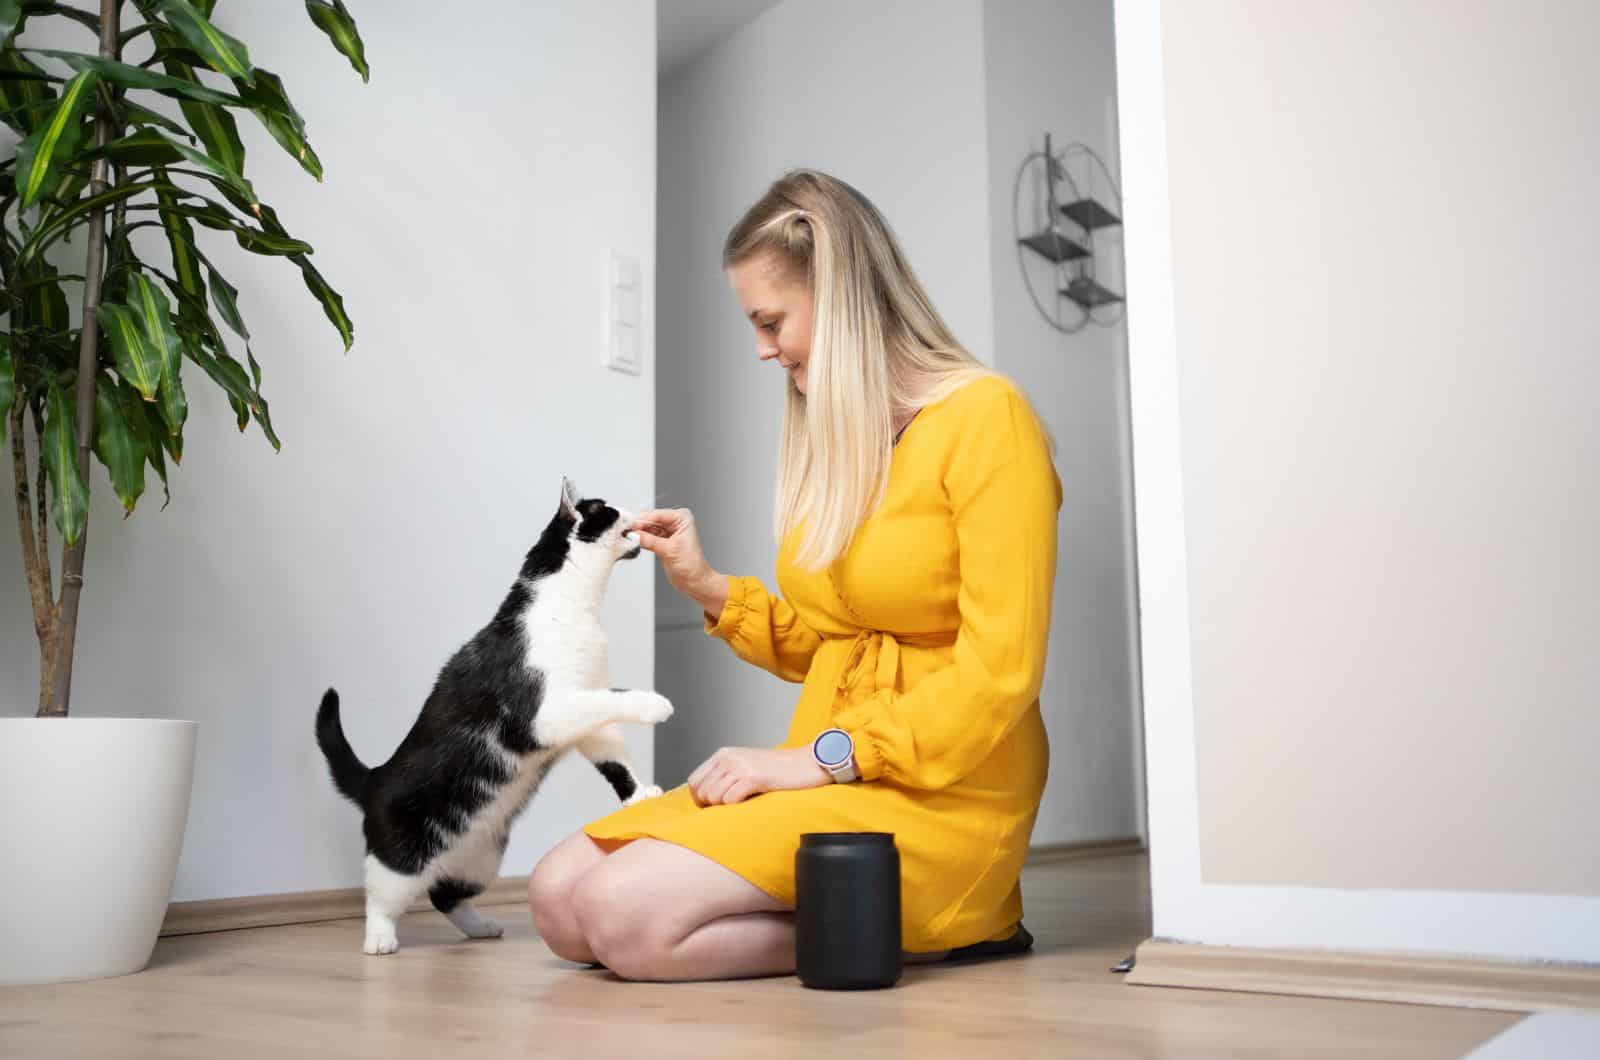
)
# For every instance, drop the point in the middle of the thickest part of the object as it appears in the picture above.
(765, 630)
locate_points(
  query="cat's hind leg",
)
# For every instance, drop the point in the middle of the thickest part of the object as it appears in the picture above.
(607, 751)
(389, 895)
(453, 898)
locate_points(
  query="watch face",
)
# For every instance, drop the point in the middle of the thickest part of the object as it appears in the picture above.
(833, 748)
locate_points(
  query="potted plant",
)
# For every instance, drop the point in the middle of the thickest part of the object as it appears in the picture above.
(139, 132)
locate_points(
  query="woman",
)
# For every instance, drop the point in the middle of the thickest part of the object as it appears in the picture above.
(916, 515)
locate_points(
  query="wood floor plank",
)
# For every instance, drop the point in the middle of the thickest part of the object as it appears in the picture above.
(306, 990)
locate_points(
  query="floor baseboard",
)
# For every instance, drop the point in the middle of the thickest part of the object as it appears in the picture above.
(1049, 853)
(1401, 978)
(307, 907)
(303, 907)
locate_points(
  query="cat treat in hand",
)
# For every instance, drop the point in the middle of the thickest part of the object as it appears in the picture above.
(531, 685)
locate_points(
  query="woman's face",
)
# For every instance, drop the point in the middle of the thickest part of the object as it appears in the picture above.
(778, 306)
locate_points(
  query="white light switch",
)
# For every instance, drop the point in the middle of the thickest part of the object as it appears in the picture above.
(624, 296)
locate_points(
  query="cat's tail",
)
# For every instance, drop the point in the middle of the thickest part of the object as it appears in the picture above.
(349, 775)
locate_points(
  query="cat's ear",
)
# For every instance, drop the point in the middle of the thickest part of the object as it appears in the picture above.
(569, 499)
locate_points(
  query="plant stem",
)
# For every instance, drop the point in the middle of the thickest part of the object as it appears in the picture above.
(44, 506)
(88, 368)
(43, 609)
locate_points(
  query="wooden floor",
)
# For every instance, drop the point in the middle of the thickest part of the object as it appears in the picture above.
(307, 991)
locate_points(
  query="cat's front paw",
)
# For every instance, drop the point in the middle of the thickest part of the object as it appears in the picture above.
(650, 708)
(648, 792)
(378, 945)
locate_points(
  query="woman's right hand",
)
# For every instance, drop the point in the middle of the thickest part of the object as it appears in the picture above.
(670, 533)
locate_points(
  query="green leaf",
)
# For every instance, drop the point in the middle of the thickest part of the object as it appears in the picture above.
(271, 105)
(138, 361)
(269, 239)
(228, 177)
(47, 7)
(334, 20)
(10, 15)
(8, 383)
(42, 236)
(137, 77)
(332, 302)
(24, 92)
(218, 131)
(263, 413)
(46, 304)
(226, 297)
(150, 147)
(221, 52)
(69, 494)
(215, 125)
(72, 184)
(147, 429)
(142, 147)
(180, 242)
(134, 113)
(117, 444)
(174, 403)
(230, 375)
(257, 242)
(153, 450)
(154, 313)
(47, 149)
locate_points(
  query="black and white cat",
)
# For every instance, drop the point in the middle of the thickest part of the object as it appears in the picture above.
(533, 684)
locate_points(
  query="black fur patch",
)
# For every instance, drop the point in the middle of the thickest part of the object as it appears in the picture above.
(598, 517)
(550, 552)
(447, 894)
(621, 780)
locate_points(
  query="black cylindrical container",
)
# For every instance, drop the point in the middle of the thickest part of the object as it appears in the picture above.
(847, 910)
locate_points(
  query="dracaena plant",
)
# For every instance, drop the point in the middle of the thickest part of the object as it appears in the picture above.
(138, 132)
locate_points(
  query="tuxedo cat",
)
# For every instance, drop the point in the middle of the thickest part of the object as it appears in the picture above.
(530, 686)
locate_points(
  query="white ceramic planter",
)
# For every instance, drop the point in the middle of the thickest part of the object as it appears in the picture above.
(92, 812)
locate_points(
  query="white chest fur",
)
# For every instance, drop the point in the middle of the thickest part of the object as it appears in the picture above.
(566, 641)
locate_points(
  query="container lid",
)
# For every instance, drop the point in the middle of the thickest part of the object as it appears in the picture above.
(844, 838)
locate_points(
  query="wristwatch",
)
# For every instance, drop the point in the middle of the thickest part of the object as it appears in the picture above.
(835, 751)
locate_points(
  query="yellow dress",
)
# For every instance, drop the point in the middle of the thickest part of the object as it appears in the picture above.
(926, 642)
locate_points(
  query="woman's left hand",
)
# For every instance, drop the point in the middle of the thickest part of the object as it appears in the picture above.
(734, 774)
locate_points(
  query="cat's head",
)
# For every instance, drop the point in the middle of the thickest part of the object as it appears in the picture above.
(596, 527)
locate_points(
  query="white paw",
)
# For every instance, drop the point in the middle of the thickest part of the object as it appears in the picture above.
(377, 945)
(651, 708)
(486, 929)
(647, 792)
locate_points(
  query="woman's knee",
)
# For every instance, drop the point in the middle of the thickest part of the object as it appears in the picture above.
(550, 894)
(609, 916)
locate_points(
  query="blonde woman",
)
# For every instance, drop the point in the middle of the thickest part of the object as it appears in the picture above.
(916, 515)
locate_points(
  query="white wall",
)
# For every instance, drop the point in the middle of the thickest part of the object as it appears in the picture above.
(1364, 430)
(817, 83)
(1051, 68)
(472, 191)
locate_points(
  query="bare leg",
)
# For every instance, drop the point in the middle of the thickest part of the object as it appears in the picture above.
(607, 750)
(657, 911)
(550, 895)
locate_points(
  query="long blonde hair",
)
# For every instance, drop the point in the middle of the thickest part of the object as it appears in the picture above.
(878, 350)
